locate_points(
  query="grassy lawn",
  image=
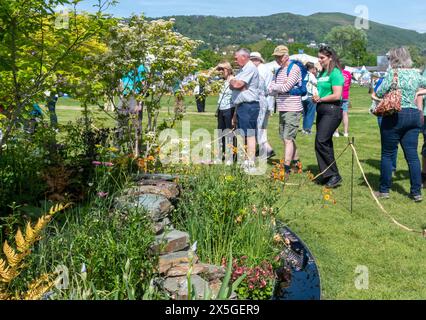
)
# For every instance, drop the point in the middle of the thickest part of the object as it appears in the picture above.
(339, 240)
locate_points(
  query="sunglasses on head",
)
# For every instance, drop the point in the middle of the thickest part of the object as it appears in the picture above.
(326, 48)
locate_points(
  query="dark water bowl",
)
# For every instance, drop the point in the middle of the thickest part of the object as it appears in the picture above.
(298, 277)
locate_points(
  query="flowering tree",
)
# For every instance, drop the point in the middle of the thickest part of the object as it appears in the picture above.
(166, 57)
(36, 42)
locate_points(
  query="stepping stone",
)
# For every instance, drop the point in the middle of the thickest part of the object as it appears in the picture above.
(173, 259)
(170, 242)
(158, 207)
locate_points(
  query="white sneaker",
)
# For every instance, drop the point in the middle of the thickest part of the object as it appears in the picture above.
(251, 170)
(346, 135)
(336, 135)
(248, 166)
(229, 163)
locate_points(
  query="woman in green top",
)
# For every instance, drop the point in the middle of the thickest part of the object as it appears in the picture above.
(402, 127)
(329, 114)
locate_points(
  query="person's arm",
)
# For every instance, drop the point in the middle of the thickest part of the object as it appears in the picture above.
(242, 80)
(336, 96)
(385, 86)
(236, 84)
(421, 92)
(292, 80)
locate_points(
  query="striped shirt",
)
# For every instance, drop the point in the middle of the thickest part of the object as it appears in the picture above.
(282, 85)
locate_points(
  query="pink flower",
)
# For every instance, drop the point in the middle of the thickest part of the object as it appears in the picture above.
(96, 163)
(108, 164)
(239, 271)
(102, 194)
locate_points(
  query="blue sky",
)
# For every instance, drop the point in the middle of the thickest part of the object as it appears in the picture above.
(409, 14)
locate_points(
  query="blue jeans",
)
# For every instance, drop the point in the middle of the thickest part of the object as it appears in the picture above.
(402, 127)
(395, 155)
(309, 108)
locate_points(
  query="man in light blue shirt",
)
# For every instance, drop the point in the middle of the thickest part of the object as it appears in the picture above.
(245, 97)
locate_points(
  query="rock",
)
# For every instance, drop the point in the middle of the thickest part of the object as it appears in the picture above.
(167, 189)
(169, 242)
(158, 207)
(160, 226)
(148, 176)
(212, 272)
(182, 270)
(215, 286)
(173, 259)
(178, 287)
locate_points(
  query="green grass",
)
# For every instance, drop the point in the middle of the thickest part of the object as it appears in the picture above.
(341, 240)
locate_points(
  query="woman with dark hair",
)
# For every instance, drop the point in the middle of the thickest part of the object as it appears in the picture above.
(404, 126)
(329, 114)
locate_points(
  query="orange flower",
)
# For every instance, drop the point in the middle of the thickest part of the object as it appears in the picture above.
(278, 238)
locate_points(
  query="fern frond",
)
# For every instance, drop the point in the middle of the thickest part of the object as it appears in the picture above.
(30, 235)
(12, 257)
(41, 224)
(21, 244)
(5, 274)
(39, 287)
(57, 208)
(4, 295)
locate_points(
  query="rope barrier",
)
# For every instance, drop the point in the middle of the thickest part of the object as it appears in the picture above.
(377, 200)
(351, 145)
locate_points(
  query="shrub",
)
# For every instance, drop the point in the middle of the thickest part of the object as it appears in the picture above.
(219, 210)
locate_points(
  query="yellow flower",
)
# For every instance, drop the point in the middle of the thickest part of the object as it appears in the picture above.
(327, 197)
(229, 178)
(278, 238)
(113, 149)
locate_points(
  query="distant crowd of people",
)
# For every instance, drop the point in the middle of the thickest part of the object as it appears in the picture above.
(296, 90)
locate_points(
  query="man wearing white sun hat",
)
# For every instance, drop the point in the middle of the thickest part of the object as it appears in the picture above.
(266, 105)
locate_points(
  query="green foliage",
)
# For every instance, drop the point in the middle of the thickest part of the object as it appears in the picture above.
(219, 210)
(106, 253)
(209, 59)
(350, 44)
(36, 51)
(22, 165)
(243, 31)
(418, 58)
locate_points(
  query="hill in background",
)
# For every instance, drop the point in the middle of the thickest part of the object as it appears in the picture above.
(218, 32)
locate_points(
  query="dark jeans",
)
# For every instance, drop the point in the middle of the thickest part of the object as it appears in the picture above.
(402, 127)
(309, 108)
(201, 103)
(51, 105)
(329, 117)
(224, 122)
(395, 155)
